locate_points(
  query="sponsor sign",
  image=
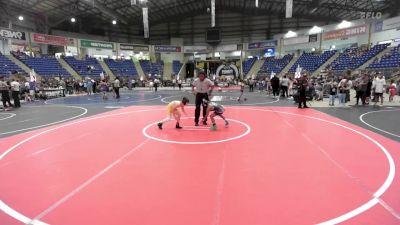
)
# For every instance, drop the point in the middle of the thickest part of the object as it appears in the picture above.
(269, 52)
(12, 34)
(263, 44)
(49, 39)
(135, 48)
(228, 70)
(348, 32)
(96, 44)
(167, 48)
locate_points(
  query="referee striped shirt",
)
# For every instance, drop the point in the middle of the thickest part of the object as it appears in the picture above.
(202, 86)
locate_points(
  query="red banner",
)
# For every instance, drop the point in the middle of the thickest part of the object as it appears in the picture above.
(50, 39)
(348, 32)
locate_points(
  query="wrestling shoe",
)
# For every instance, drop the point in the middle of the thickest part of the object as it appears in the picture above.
(213, 128)
(226, 123)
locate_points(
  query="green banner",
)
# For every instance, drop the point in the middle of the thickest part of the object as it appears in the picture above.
(96, 44)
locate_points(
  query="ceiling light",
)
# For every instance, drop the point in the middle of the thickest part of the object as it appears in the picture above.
(344, 24)
(73, 20)
(114, 22)
(290, 34)
(20, 18)
(315, 30)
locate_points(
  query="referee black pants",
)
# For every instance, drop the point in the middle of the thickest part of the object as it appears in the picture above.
(199, 101)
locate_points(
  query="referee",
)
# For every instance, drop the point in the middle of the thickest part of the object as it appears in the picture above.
(204, 87)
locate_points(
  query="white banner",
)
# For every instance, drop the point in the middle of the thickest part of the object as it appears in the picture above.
(146, 22)
(391, 23)
(289, 8)
(296, 40)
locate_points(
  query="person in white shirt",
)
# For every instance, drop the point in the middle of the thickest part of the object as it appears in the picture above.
(173, 83)
(15, 88)
(204, 88)
(133, 83)
(156, 83)
(180, 84)
(116, 85)
(379, 87)
(284, 85)
(343, 87)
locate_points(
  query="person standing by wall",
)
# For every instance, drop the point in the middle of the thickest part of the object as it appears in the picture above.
(285, 85)
(156, 83)
(303, 85)
(117, 84)
(204, 88)
(15, 90)
(379, 87)
(392, 90)
(180, 84)
(275, 86)
(251, 85)
(5, 96)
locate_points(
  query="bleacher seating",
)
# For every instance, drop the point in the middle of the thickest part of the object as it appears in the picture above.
(352, 58)
(122, 67)
(152, 68)
(8, 67)
(85, 67)
(311, 62)
(45, 65)
(248, 64)
(272, 64)
(176, 67)
(157, 68)
(391, 60)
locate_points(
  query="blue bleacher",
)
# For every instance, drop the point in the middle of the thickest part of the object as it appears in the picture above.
(311, 62)
(272, 64)
(7, 67)
(81, 66)
(354, 57)
(122, 67)
(248, 64)
(176, 67)
(45, 65)
(152, 68)
(392, 60)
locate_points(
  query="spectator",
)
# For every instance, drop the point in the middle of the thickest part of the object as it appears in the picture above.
(379, 87)
(332, 92)
(116, 86)
(392, 90)
(284, 85)
(180, 84)
(15, 90)
(275, 86)
(5, 93)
